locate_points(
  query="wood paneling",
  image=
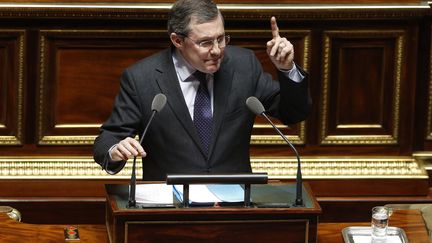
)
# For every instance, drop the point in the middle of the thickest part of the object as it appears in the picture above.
(79, 78)
(428, 87)
(12, 58)
(362, 86)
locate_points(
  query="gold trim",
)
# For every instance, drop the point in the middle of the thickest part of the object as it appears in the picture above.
(9, 140)
(400, 43)
(20, 85)
(59, 168)
(70, 140)
(429, 119)
(42, 40)
(360, 139)
(423, 154)
(84, 167)
(326, 85)
(425, 157)
(341, 168)
(267, 126)
(307, 50)
(275, 140)
(359, 126)
(67, 140)
(17, 140)
(230, 11)
(77, 125)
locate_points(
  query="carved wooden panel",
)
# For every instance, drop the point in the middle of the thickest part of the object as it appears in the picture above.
(429, 96)
(79, 78)
(11, 86)
(361, 86)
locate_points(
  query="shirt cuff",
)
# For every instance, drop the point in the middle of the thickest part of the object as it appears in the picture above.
(112, 167)
(109, 152)
(294, 74)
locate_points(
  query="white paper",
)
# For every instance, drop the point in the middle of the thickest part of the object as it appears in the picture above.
(212, 193)
(154, 193)
(198, 193)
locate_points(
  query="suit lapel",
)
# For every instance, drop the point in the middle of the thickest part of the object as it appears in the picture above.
(169, 85)
(222, 87)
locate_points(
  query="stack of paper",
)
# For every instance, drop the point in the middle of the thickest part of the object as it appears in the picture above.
(210, 194)
(154, 194)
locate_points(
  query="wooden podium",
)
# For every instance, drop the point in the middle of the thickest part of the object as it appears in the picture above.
(266, 223)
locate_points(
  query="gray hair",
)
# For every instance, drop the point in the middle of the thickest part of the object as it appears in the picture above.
(183, 10)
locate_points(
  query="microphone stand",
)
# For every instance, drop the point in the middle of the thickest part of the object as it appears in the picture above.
(132, 189)
(299, 181)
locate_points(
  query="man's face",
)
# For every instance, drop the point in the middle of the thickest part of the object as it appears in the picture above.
(205, 59)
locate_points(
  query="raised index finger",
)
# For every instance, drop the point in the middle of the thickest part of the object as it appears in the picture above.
(274, 27)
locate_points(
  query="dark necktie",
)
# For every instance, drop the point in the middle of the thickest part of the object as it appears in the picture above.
(203, 116)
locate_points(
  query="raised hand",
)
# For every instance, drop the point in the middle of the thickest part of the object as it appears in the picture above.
(279, 49)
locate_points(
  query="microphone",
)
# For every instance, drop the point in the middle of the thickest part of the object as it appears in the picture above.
(158, 104)
(258, 109)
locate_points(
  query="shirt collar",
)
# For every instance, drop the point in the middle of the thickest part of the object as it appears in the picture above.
(182, 67)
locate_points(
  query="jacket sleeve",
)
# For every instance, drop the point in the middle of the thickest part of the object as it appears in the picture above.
(285, 99)
(295, 102)
(124, 121)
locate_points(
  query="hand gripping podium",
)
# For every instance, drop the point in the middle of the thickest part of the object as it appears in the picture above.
(267, 217)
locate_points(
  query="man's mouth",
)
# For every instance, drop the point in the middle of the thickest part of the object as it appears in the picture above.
(213, 60)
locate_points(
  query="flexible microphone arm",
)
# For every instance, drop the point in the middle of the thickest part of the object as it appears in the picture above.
(158, 103)
(256, 107)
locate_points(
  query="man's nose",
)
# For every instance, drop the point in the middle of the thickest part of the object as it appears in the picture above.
(215, 50)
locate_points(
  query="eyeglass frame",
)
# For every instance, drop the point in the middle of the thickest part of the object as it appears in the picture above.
(225, 38)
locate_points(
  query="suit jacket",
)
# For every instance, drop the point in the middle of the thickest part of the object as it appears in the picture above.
(172, 143)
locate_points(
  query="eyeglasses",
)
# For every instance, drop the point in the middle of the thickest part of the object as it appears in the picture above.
(221, 41)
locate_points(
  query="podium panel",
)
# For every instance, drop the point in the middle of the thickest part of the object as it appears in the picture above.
(216, 224)
(217, 231)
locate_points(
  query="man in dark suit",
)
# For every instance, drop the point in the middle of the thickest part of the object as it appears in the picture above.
(175, 142)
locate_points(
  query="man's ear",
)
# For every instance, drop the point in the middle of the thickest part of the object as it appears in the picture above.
(176, 40)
